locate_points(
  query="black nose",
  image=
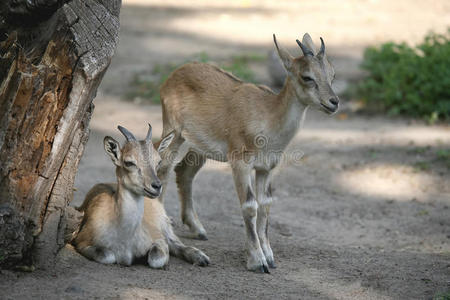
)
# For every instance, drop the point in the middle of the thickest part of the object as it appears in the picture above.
(334, 101)
(156, 185)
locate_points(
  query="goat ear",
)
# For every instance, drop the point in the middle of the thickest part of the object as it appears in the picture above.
(165, 142)
(112, 148)
(309, 43)
(284, 55)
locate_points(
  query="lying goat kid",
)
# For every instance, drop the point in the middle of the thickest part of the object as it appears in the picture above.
(120, 223)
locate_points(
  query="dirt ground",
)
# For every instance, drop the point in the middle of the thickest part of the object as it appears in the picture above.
(365, 214)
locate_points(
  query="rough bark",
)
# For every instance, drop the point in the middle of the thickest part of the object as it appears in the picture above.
(53, 55)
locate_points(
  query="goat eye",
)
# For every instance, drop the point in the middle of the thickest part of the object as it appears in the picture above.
(307, 79)
(129, 164)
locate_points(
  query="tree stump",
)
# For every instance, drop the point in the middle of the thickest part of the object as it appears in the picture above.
(53, 55)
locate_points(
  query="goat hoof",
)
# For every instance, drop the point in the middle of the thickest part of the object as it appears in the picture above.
(202, 237)
(203, 260)
(271, 264)
(262, 269)
(196, 257)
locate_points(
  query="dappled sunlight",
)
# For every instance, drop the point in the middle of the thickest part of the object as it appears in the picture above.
(339, 22)
(359, 200)
(318, 280)
(394, 135)
(393, 182)
(358, 186)
(150, 293)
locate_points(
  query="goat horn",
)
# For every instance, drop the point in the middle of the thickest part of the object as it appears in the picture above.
(322, 48)
(128, 135)
(275, 40)
(305, 49)
(148, 138)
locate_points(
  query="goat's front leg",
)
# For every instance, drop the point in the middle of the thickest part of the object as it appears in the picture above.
(158, 255)
(99, 254)
(167, 161)
(256, 261)
(264, 198)
(186, 171)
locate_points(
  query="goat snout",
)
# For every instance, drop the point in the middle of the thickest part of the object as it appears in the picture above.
(156, 185)
(334, 101)
(154, 190)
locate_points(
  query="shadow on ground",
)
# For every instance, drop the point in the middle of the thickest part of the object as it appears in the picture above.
(363, 215)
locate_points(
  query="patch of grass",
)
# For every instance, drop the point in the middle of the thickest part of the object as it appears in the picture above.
(422, 166)
(422, 212)
(373, 153)
(419, 150)
(443, 157)
(406, 80)
(238, 65)
(442, 296)
(146, 87)
(443, 154)
(435, 158)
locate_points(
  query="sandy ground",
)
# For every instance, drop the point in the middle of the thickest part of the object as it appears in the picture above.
(357, 217)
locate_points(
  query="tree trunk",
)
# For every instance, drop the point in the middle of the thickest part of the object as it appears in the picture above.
(53, 54)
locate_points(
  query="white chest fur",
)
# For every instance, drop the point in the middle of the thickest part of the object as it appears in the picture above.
(129, 239)
(131, 210)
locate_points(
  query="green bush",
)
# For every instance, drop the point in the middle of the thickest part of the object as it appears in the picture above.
(409, 81)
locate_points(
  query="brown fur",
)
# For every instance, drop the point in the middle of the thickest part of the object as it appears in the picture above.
(218, 116)
(101, 208)
(120, 224)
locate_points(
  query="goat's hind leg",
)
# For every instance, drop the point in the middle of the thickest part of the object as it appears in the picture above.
(99, 254)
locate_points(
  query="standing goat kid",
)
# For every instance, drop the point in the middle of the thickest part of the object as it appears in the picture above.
(217, 116)
(120, 223)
